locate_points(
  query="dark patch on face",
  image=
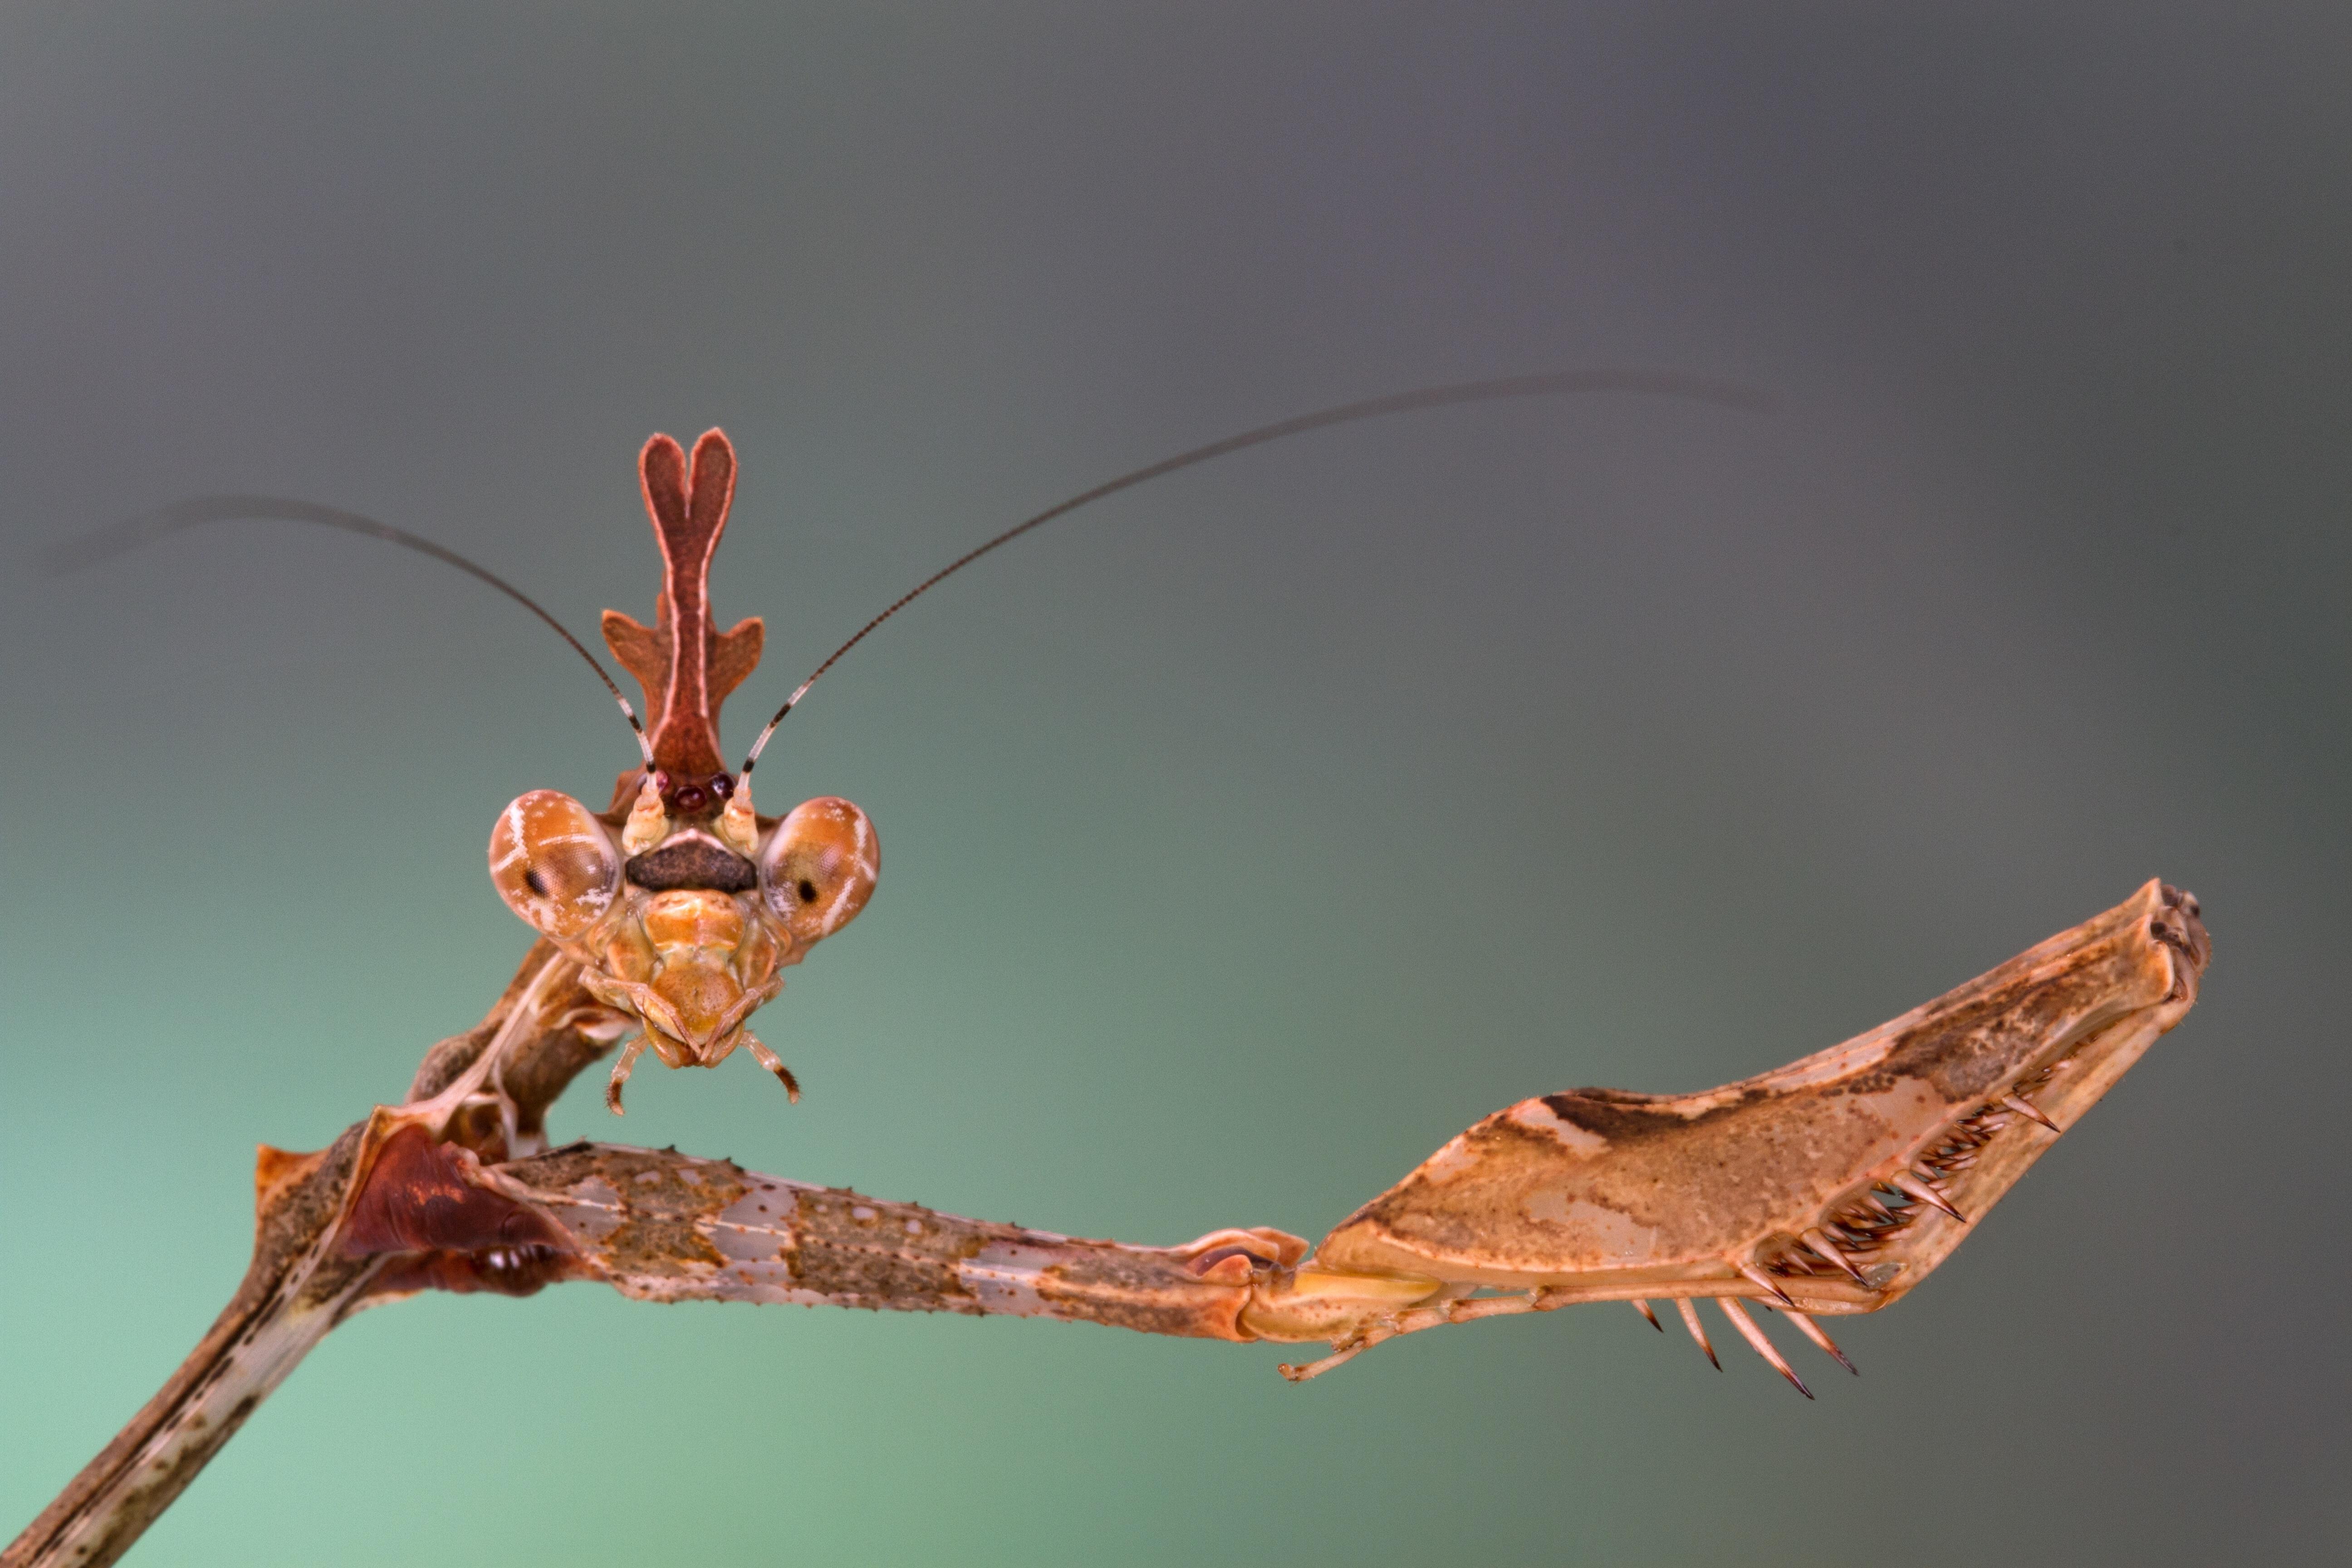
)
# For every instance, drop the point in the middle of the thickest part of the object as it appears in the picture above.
(693, 863)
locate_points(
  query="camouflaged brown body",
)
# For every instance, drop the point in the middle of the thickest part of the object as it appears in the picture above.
(1585, 1195)
(661, 1225)
(1610, 1192)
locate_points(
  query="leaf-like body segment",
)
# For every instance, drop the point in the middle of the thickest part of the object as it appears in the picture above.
(1597, 1193)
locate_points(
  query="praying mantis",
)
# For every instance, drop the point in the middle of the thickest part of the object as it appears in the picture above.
(1832, 1186)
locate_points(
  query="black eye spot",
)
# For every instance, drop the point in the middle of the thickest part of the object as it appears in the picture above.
(534, 881)
(807, 891)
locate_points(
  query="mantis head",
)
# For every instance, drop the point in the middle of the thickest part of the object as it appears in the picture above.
(680, 903)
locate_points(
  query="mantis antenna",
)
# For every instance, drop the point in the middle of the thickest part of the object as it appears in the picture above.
(147, 527)
(1558, 383)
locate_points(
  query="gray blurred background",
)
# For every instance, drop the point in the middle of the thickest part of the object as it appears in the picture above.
(1250, 835)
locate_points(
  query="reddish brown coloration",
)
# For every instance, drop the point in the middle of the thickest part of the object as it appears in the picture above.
(662, 917)
(668, 1226)
(1601, 1192)
(275, 1170)
(686, 664)
(417, 1197)
(516, 1271)
(1821, 1186)
(1833, 1184)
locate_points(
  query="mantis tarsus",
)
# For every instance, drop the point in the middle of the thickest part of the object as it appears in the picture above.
(1832, 1186)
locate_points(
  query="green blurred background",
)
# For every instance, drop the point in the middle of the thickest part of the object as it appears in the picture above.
(1246, 836)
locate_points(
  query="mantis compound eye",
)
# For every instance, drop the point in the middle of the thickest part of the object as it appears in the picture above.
(553, 863)
(819, 867)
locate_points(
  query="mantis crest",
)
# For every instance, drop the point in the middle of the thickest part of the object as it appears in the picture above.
(1829, 1187)
(686, 937)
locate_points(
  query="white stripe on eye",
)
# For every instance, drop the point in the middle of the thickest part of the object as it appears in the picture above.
(513, 814)
(833, 916)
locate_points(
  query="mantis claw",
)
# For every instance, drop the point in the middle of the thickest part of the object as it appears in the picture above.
(1754, 1334)
(1690, 1320)
(1812, 1331)
(1551, 1196)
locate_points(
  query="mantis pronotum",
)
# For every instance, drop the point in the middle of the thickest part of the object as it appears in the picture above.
(1832, 1186)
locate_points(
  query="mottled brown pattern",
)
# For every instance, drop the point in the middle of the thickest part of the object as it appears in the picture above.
(668, 1201)
(145, 1501)
(296, 1273)
(104, 1508)
(295, 1215)
(1150, 1292)
(846, 1250)
(862, 1253)
(1654, 1190)
(1579, 1195)
(1720, 1189)
(446, 1061)
(538, 1065)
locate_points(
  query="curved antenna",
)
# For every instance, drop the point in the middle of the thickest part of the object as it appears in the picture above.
(1654, 382)
(129, 535)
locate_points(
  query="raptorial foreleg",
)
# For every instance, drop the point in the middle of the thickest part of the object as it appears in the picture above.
(1763, 1189)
